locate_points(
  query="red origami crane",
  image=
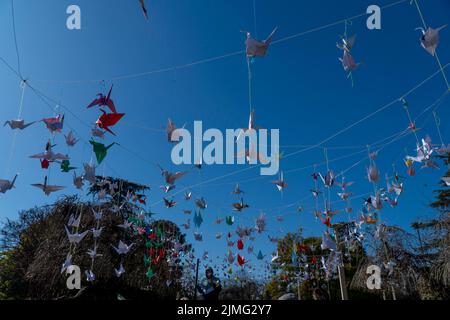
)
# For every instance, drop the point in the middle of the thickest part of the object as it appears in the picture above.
(326, 221)
(241, 260)
(240, 244)
(45, 163)
(107, 120)
(104, 101)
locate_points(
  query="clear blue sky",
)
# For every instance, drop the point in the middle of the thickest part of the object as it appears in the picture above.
(299, 87)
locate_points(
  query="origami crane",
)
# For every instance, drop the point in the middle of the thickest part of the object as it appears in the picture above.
(55, 124)
(218, 220)
(74, 222)
(104, 101)
(119, 271)
(240, 244)
(170, 177)
(188, 196)
(75, 237)
(65, 166)
(168, 188)
(201, 203)
(230, 257)
(328, 180)
(93, 253)
(430, 39)
(89, 173)
(48, 189)
(18, 124)
(229, 220)
(187, 225)
(280, 183)
(98, 133)
(373, 174)
(169, 203)
(327, 242)
(100, 150)
(260, 255)
(170, 130)
(239, 206)
(122, 248)
(78, 181)
(348, 62)
(424, 151)
(49, 154)
(107, 120)
(67, 263)
(257, 48)
(97, 215)
(6, 185)
(198, 219)
(70, 139)
(347, 44)
(237, 190)
(241, 260)
(198, 236)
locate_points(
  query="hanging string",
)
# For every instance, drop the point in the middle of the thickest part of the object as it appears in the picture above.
(15, 39)
(438, 125)
(220, 57)
(411, 123)
(23, 85)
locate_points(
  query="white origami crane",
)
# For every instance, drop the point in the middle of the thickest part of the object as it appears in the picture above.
(280, 183)
(125, 225)
(18, 124)
(89, 173)
(96, 232)
(78, 181)
(328, 180)
(257, 48)
(237, 190)
(93, 253)
(75, 237)
(230, 257)
(424, 152)
(49, 154)
(327, 242)
(47, 188)
(98, 133)
(67, 263)
(120, 271)
(6, 185)
(373, 174)
(97, 214)
(274, 257)
(170, 177)
(123, 248)
(261, 223)
(90, 276)
(70, 139)
(430, 39)
(446, 180)
(74, 222)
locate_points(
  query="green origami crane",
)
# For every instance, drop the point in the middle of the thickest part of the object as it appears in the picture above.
(147, 260)
(150, 273)
(100, 150)
(65, 166)
(230, 220)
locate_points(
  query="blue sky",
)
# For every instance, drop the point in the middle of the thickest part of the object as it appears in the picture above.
(299, 87)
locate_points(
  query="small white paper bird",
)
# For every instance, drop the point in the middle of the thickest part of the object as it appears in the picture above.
(123, 248)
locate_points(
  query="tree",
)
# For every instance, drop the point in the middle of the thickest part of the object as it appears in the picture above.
(34, 247)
